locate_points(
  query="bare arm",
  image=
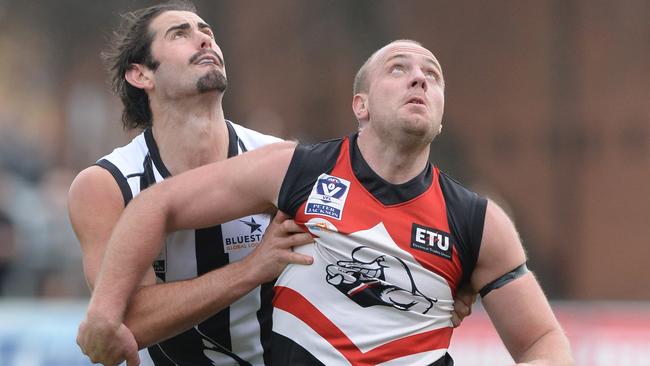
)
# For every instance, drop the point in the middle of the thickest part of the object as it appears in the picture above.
(158, 312)
(199, 198)
(519, 310)
(94, 205)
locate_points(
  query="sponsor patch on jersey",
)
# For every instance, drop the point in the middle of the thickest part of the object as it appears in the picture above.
(319, 225)
(243, 235)
(328, 196)
(431, 241)
(160, 263)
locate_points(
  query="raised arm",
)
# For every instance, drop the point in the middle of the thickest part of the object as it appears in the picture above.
(518, 309)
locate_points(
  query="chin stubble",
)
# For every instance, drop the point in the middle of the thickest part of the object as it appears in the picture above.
(213, 80)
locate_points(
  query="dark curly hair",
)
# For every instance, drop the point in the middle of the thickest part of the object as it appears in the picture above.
(131, 44)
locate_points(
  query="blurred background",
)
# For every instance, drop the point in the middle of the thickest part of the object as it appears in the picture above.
(547, 112)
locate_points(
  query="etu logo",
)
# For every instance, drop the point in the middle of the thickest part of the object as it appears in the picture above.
(431, 241)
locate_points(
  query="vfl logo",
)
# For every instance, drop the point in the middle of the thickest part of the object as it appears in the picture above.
(371, 283)
(328, 196)
(431, 241)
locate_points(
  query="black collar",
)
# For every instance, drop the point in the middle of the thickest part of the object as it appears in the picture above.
(387, 193)
(155, 153)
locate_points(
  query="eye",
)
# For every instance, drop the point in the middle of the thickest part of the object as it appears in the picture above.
(431, 75)
(397, 69)
(178, 34)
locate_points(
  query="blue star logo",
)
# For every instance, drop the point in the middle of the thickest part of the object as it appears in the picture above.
(253, 225)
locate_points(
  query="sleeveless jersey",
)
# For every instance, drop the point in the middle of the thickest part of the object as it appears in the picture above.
(238, 334)
(388, 260)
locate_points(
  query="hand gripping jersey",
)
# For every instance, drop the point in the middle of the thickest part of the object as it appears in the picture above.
(388, 260)
(239, 334)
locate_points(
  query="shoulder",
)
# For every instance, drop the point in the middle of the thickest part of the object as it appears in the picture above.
(466, 215)
(501, 248)
(455, 190)
(308, 162)
(311, 160)
(106, 180)
(465, 207)
(323, 146)
(252, 139)
(127, 159)
(318, 156)
(94, 187)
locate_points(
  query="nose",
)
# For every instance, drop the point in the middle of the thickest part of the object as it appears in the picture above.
(418, 80)
(204, 40)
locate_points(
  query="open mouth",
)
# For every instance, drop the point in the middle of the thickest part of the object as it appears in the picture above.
(206, 57)
(207, 61)
(415, 100)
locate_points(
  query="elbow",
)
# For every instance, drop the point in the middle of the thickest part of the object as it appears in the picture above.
(551, 348)
(155, 202)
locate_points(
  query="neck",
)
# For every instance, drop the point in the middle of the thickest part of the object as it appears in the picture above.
(393, 160)
(190, 132)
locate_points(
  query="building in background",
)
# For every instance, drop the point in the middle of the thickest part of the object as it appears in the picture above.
(547, 112)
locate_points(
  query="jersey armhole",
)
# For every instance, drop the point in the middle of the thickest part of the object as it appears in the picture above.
(307, 164)
(466, 216)
(127, 195)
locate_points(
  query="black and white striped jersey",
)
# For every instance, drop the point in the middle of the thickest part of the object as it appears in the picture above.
(239, 334)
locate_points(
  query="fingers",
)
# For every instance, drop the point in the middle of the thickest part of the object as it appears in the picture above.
(131, 355)
(104, 344)
(280, 217)
(294, 240)
(283, 224)
(462, 307)
(297, 258)
(455, 320)
(133, 359)
(466, 296)
(460, 312)
(290, 227)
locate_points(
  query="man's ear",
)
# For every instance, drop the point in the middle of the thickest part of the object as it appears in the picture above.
(139, 76)
(360, 107)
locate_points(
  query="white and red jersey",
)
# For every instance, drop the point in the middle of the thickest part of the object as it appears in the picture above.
(388, 260)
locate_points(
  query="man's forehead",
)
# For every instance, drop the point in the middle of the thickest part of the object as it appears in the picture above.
(174, 17)
(405, 49)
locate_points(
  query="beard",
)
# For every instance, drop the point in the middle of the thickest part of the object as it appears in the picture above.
(213, 80)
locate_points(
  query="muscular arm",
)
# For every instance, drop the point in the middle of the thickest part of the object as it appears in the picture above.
(199, 198)
(519, 310)
(156, 311)
(94, 205)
